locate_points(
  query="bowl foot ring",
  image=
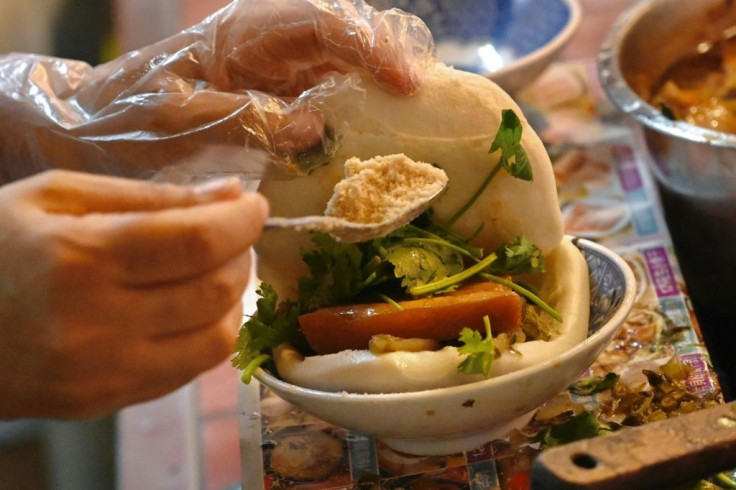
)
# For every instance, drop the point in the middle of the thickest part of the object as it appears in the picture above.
(459, 443)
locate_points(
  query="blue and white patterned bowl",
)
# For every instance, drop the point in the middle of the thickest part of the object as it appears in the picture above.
(448, 420)
(510, 41)
(463, 20)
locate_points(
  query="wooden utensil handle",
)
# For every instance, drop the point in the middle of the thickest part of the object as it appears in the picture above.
(656, 455)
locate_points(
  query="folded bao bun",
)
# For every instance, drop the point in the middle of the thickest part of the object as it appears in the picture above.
(451, 122)
(564, 286)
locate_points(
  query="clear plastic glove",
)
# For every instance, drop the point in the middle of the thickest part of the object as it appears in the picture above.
(247, 79)
(115, 291)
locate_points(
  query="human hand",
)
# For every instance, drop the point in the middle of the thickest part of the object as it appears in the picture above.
(115, 291)
(287, 46)
(247, 77)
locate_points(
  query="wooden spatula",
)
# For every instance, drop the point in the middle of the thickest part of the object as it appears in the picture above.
(657, 455)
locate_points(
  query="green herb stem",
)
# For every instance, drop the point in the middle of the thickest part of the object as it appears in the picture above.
(487, 325)
(475, 196)
(368, 280)
(445, 283)
(390, 301)
(725, 480)
(253, 366)
(524, 292)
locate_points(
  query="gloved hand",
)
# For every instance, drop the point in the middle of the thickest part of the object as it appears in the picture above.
(114, 291)
(247, 79)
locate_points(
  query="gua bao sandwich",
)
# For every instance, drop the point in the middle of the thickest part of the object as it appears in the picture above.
(482, 284)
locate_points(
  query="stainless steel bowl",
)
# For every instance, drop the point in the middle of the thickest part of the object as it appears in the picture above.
(640, 46)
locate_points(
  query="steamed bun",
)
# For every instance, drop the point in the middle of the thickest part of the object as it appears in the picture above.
(450, 122)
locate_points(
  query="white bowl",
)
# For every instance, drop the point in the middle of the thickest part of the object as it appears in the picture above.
(460, 418)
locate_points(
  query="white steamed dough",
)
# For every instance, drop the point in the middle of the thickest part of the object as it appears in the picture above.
(451, 123)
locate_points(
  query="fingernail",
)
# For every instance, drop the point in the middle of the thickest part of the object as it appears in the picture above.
(219, 188)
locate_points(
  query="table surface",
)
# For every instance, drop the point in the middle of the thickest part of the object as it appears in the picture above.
(200, 436)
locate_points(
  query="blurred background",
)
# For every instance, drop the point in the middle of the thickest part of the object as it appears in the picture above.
(42, 454)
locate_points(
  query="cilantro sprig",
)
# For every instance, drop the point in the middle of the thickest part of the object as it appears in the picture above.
(479, 351)
(521, 257)
(273, 324)
(514, 159)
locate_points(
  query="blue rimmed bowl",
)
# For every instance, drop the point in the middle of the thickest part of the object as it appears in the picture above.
(509, 41)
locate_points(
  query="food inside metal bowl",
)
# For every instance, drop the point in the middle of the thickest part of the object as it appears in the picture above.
(677, 55)
(655, 35)
(695, 166)
(700, 88)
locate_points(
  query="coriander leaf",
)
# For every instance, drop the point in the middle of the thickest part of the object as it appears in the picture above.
(508, 139)
(594, 384)
(521, 257)
(514, 159)
(338, 272)
(583, 426)
(271, 325)
(480, 352)
(417, 263)
(426, 227)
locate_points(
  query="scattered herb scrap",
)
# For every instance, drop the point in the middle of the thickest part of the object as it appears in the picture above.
(594, 384)
(585, 425)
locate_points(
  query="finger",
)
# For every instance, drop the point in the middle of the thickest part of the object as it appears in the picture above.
(410, 47)
(178, 307)
(300, 130)
(149, 369)
(178, 243)
(76, 193)
(371, 45)
(183, 356)
(297, 46)
(161, 309)
(172, 127)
